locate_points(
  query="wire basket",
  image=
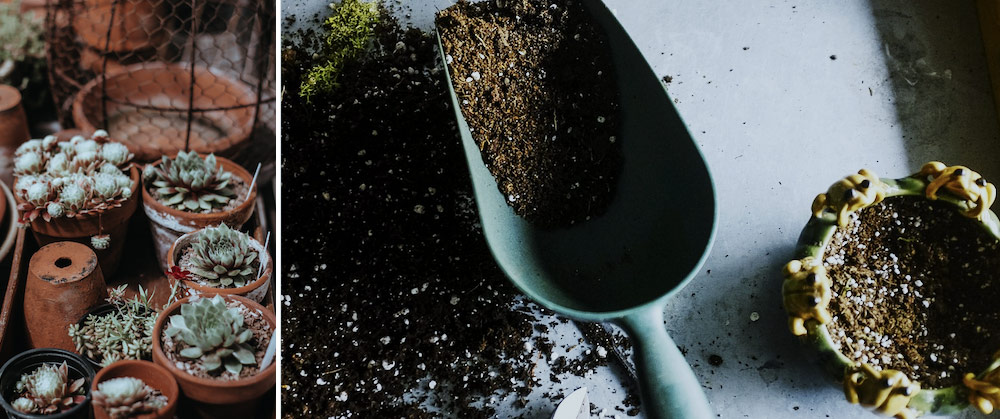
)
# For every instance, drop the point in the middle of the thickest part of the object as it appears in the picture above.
(167, 75)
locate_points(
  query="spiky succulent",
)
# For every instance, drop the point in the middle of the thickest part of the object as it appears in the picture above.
(213, 333)
(222, 257)
(123, 333)
(190, 183)
(125, 397)
(65, 179)
(47, 390)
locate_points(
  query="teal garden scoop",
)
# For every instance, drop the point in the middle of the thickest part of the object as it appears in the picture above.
(622, 266)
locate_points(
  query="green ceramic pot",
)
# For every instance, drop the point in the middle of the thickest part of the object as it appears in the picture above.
(813, 243)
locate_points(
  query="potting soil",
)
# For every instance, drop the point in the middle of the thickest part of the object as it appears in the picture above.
(536, 84)
(915, 286)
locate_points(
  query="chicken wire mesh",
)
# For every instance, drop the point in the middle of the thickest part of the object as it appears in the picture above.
(167, 75)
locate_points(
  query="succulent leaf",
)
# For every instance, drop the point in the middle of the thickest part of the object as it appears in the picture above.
(190, 183)
(223, 257)
(214, 333)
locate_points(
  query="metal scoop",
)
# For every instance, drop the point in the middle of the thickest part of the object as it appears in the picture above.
(622, 266)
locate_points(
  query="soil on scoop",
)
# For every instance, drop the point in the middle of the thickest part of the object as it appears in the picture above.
(252, 319)
(536, 85)
(915, 286)
(392, 304)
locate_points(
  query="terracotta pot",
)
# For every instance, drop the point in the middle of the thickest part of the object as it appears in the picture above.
(137, 24)
(254, 291)
(27, 361)
(215, 393)
(13, 128)
(8, 216)
(169, 224)
(153, 375)
(64, 282)
(163, 91)
(82, 227)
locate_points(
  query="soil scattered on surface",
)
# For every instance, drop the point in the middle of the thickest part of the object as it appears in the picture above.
(535, 83)
(915, 285)
(393, 305)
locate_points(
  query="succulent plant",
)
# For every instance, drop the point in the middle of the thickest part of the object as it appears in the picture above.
(48, 390)
(222, 257)
(70, 178)
(125, 397)
(124, 333)
(190, 183)
(213, 333)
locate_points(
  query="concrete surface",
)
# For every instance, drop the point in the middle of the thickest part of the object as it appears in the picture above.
(784, 98)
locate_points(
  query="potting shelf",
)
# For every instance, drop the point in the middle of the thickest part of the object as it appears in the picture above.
(783, 98)
(138, 267)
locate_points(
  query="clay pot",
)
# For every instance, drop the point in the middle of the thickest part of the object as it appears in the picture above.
(216, 395)
(137, 24)
(163, 91)
(10, 215)
(82, 227)
(13, 128)
(153, 375)
(27, 361)
(168, 224)
(254, 291)
(64, 282)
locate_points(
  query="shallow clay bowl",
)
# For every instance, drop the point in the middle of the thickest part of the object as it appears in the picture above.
(813, 242)
(147, 109)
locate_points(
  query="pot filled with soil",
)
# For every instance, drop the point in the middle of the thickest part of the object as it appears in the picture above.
(64, 282)
(892, 283)
(135, 389)
(189, 192)
(122, 329)
(46, 382)
(594, 231)
(219, 373)
(83, 190)
(221, 260)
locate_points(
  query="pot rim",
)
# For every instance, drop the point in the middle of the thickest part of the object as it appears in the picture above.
(255, 379)
(171, 401)
(812, 242)
(262, 254)
(89, 374)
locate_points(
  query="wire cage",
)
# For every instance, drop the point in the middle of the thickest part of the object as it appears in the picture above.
(167, 75)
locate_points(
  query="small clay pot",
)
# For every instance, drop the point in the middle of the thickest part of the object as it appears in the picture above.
(168, 224)
(13, 121)
(146, 108)
(64, 282)
(216, 395)
(27, 361)
(81, 228)
(153, 375)
(255, 290)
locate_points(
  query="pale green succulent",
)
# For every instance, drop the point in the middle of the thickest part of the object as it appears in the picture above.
(223, 257)
(126, 397)
(190, 183)
(124, 333)
(70, 178)
(48, 390)
(213, 333)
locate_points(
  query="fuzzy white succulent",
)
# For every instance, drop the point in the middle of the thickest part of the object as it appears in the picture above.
(30, 145)
(121, 388)
(55, 209)
(106, 185)
(84, 158)
(58, 164)
(29, 163)
(100, 241)
(109, 168)
(73, 195)
(24, 182)
(115, 153)
(38, 193)
(23, 404)
(48, 141)
(100, 134)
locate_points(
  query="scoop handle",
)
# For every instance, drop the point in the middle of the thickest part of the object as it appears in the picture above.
(668, 386)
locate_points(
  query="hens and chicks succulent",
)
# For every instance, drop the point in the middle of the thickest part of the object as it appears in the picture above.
(189, 182)
(222, 257)
(47, 389)
(214, 333)
(126, 397)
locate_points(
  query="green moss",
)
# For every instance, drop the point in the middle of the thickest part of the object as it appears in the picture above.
(349, 32)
